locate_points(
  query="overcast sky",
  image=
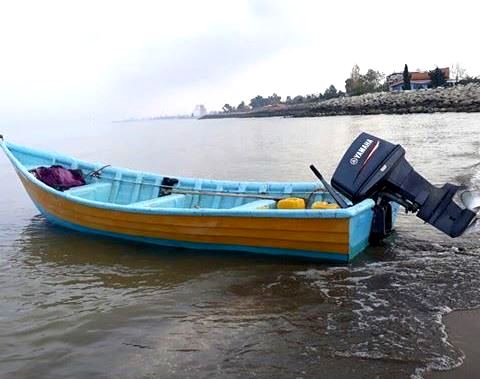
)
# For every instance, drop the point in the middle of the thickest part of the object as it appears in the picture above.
(116, 59)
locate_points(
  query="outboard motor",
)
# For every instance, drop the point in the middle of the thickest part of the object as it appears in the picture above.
(377, 169)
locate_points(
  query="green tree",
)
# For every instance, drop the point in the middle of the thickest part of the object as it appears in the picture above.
(228, 108)
(355, 74)
(406, 79)
(458, 72)
(258, 102)
(330, 93)
(298, 99)
(384, 87)
(274, 99)
(358, 84)
(352, 84)
(437, 78)
(242, 107)
(373, 80)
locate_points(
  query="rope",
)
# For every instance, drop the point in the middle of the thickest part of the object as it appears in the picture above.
(96, 173)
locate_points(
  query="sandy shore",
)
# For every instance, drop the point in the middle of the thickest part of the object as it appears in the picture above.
(463, 328)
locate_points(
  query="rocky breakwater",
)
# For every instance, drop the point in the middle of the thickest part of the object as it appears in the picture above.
(461, 98)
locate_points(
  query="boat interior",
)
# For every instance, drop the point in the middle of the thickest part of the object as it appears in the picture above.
(146, 190)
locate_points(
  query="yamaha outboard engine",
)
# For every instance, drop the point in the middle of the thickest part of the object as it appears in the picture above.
(377, 169)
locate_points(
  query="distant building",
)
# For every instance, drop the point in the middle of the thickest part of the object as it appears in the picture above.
(199, 111)
(418, 80)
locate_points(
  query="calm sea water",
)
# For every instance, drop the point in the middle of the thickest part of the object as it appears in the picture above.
(74, 305)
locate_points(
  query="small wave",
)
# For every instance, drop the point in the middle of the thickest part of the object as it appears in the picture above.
(396, 307)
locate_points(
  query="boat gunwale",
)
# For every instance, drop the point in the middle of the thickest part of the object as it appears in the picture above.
(346, 213)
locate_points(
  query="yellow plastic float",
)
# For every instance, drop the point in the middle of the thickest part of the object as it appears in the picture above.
(324, 205)
(291, 203)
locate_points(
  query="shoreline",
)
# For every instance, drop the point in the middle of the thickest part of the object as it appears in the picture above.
(463, 329)
(461, 98)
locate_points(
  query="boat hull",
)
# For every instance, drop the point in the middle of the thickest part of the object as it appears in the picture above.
(207, 215)
(330, 239)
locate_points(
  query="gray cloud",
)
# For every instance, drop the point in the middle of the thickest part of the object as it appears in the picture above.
(115, 60)
(207, 58)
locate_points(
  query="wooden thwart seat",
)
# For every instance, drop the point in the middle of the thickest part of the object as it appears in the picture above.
(168, 201)
(257, 204)
(93, 191)
(90, 189)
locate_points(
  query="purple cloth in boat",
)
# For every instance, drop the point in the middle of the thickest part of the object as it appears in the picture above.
(59, 177)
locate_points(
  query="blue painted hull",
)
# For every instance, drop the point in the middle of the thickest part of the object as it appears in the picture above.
(207, 215)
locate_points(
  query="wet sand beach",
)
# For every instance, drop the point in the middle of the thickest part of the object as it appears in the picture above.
(463, 328)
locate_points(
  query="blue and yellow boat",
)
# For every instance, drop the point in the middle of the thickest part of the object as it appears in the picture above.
(196, 213)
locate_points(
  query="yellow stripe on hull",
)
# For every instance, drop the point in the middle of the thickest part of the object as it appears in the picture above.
(307, 234)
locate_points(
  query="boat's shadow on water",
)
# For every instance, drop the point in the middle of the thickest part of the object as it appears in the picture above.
(382, 313)
(45, 243)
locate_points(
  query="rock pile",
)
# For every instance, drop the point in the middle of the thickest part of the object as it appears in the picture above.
(461, 98)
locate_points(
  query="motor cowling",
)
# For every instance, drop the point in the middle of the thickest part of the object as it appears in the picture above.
(377, 169)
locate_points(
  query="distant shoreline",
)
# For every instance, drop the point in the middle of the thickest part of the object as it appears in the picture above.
(154, 119)
(461, 98)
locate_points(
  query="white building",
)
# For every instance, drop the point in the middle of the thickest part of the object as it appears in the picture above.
(199, 111)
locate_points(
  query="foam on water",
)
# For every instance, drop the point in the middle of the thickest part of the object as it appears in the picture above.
(397, 304)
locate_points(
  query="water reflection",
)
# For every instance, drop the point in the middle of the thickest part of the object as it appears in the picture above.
(58, 252)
